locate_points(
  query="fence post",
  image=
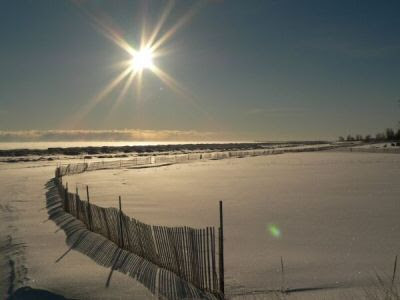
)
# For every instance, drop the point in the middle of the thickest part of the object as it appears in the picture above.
(221, 252)
(121, 238)
(89, 209)
(66, 200)
(77, 202)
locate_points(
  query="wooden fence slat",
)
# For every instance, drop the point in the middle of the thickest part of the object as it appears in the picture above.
(214, 270)
(189, 253)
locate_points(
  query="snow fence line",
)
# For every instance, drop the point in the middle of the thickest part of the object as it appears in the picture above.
(188, 252)
(76, 168)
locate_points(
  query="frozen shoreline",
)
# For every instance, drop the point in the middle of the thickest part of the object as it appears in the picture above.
(29, 155)
(94, 150)
(335, 229)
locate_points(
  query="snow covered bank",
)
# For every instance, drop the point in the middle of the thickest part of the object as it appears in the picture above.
(337, 213)
(23, 190)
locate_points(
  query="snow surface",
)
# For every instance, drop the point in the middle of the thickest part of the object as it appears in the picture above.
(76, 276)
(337, 212)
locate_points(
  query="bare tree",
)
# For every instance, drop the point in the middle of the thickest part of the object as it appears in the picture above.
(390, 134)
(380, 136)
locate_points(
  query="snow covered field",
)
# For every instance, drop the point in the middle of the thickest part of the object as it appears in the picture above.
(389, 147)
(24, 219)
(335, 217)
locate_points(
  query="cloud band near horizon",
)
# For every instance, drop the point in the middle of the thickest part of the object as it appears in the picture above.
(109, 135)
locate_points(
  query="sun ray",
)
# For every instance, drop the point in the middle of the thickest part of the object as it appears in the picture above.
(139, 86)
(122, 64)
(100, 96)
(170, 82)
(180, 90)
(143, 33)
(182, 21)
(122, 93)
(138, 95)
(108, 30)
(160, 23)
(83, 111)
(141, 58)
(115, 37)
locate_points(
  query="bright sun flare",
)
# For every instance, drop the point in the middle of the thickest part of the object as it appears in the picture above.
(143, 59)
(139, 60)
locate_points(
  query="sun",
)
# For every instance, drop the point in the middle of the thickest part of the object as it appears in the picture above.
(138, 60)
(142, 59)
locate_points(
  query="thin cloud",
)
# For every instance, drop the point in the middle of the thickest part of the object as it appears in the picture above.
(107, 135)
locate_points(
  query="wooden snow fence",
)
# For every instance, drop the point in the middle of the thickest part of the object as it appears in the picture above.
(188, 252)
(144, 160)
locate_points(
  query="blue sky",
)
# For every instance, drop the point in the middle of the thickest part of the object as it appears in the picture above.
(252, 69)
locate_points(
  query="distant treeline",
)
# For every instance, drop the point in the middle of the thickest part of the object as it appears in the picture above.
(388, 135)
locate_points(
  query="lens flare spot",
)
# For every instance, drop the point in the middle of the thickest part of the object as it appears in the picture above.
(274, 230)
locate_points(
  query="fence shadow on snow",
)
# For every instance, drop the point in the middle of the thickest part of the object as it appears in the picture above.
(173, 262)
(107, 251)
